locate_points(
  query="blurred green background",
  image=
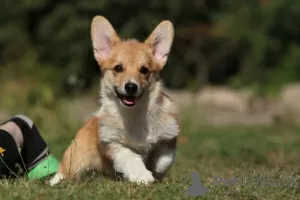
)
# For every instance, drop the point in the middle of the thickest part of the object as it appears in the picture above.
(46, 54)
(252, 44)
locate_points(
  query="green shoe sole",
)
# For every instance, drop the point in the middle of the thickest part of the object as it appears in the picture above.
(45, 168)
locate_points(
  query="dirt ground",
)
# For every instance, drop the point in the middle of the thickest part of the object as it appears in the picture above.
(212, 105)
(219, 106)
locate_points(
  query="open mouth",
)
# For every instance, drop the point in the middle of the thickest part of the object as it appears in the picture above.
(126, 100)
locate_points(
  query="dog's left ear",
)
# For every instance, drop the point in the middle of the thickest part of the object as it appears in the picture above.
(160, 41)
(104, 37)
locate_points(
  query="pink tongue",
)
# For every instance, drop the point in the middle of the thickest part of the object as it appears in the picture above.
(129, 100)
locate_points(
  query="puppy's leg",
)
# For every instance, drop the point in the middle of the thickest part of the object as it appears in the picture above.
(130, 164)
(58, 177)
(162, 158)
(77, 160)
(83, 154)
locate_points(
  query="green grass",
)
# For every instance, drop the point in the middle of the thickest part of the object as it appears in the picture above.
(222, 151)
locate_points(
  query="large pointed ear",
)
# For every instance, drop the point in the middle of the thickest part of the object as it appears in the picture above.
(160, 41)
(104, 38)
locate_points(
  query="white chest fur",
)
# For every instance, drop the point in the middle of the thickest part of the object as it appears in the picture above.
(140, 132)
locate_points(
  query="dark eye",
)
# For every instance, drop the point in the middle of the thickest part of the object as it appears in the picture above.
(144, 70)
(118, 68)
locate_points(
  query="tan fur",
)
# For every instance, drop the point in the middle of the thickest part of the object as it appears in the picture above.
(144, 131)
(85, 152)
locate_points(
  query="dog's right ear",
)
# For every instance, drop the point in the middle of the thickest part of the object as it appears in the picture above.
(160, 41)
(104, 37)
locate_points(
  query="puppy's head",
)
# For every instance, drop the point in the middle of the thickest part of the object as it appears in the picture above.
(129, 67)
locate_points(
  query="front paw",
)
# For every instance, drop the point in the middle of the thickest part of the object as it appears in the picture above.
(56, 179)
(141, 177)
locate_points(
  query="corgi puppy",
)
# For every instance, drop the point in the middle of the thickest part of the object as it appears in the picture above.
(135, 130)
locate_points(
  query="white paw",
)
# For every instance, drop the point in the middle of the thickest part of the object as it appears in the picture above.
(56, 179)
(141, 177)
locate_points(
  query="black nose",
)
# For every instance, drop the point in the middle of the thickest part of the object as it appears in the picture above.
(131, 88)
